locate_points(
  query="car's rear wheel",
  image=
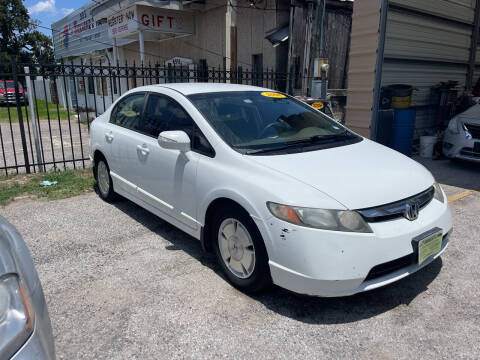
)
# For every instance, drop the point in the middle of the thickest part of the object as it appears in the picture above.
(241, 251)
(104, 180)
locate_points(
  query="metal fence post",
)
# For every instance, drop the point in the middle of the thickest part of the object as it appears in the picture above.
(20, 115)
(33, 118)
(239, 75)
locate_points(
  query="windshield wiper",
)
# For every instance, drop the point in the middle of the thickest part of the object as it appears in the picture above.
(311, 140)
(265, 150)
(322, 138)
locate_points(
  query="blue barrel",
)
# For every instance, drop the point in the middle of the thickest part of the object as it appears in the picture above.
(402, 130)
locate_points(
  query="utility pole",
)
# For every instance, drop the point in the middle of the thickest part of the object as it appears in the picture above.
(33, 120)
(142, 46)
(231, 39)
(291, 48)
(318, 33)
(306, 80)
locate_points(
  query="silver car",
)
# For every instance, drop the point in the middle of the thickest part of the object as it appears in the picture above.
(25, 328)
(462, 137)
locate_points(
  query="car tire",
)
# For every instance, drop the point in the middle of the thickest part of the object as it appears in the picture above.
(104, 180)
(240, 250)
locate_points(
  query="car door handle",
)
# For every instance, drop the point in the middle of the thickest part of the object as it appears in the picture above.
(109, 136)
(143, 149)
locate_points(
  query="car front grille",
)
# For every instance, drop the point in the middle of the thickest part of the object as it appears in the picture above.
(474, 130)
(470, 153)
(11, 97)
(397, 209)
(397, 264)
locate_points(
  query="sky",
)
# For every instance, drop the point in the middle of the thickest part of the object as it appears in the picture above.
(49, 11)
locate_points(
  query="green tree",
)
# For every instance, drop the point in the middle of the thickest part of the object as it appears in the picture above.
(19, 37)
(40, 47)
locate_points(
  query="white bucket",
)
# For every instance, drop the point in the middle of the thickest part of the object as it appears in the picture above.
(427, 143)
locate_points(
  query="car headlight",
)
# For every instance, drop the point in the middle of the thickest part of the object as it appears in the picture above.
(16, 316)
(335, 220)
(466, 131)
(453, 126)
(438, 193)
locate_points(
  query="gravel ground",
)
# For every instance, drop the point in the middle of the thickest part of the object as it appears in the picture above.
(122, 284)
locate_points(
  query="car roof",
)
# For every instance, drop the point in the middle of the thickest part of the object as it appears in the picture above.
(199, 88)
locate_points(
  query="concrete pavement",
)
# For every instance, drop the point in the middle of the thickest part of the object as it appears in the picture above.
(122, 284)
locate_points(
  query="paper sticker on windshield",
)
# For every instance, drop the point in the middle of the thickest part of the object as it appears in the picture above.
(273, 95)
(318, 105)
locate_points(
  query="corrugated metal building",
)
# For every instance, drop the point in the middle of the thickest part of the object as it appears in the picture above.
(419, 43)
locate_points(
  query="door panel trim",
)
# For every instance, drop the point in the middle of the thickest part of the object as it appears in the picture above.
(170, 219)
(155, 202)
(123, 183)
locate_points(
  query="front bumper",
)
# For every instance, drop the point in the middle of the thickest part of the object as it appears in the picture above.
(328, 263)
(11, 99)
(457, 146)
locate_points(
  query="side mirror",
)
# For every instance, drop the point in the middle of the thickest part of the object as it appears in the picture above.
(174, 140)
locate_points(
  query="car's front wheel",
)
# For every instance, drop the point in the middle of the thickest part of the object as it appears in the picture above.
(240, 250)
(104, 180)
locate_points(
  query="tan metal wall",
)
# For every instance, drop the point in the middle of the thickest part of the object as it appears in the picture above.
(361, 73)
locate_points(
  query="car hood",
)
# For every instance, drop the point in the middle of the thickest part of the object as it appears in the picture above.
(358, 176)
(472, 115)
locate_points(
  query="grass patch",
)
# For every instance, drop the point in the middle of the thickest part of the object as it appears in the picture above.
(40, 107)
(70, 183)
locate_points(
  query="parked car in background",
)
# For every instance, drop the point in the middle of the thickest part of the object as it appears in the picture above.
(278, 190)
(25, 329)
(462, 137)
(7, 92)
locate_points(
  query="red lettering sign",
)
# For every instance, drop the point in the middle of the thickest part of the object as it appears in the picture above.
(152, 20)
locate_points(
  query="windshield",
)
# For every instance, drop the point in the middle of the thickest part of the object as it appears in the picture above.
(9, 85)
(254, 120)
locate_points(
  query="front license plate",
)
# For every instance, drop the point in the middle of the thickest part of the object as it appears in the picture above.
(430, 245)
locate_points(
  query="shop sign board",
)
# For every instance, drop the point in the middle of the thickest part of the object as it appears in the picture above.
(79, 33)
(149, 18)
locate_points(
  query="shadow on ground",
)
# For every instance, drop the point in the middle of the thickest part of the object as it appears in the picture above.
(301, 308)
(460, 174)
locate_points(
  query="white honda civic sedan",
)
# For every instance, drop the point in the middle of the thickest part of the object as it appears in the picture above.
(276, 189)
